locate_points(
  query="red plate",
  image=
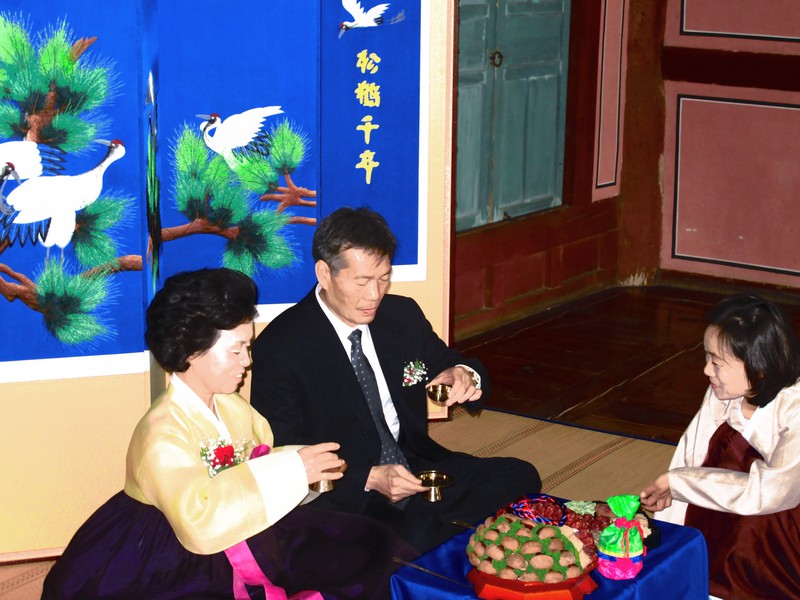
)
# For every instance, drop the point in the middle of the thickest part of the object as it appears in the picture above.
(491, 587)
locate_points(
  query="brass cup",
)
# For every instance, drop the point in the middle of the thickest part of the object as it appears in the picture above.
(435, 481)
(326, 485)
(321, 486)
(438, 393)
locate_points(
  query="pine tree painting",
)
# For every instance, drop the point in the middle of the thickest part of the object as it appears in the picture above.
(55, 90)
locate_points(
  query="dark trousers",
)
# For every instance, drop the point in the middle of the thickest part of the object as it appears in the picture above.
(481, 487)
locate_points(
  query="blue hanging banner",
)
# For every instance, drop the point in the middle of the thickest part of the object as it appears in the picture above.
(370, 114)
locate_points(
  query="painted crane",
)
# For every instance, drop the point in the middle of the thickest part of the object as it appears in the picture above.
(7, 171)
(25, 157)
(44, 208)
(236, 132)
(370, 18)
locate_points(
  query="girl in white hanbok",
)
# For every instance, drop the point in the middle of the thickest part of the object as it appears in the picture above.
(735, 472)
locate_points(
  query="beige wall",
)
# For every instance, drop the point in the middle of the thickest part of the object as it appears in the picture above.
(63, 442)
(63, 447)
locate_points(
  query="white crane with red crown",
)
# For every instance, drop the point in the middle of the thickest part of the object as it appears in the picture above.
(24, 155)
(43, 208)
(237, 132)
(370, 18)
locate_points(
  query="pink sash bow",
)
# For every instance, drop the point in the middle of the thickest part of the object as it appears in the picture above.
(247, 572)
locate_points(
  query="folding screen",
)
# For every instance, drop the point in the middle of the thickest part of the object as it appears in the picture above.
(233, 128)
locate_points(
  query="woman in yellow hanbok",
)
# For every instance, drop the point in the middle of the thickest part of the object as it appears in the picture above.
(210, 508)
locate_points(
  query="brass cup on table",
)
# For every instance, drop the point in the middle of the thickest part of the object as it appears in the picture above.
(438, 393)
(435, 480)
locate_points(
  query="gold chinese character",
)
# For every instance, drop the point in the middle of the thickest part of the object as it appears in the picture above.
(367, 163)
(368, 63)
(368, 94)
(367, 128)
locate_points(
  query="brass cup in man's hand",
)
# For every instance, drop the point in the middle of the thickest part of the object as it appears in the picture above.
(434, 481)
(438, 393)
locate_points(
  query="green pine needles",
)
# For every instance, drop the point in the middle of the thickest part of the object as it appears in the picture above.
(92, 241)
(218, 200)
(67, 303)
(49, 87)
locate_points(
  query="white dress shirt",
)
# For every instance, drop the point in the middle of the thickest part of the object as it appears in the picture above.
(343, 330)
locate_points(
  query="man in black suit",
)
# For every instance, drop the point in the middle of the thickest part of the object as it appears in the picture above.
(346, 364)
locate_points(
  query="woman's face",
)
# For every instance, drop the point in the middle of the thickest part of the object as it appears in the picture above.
(221, 369)
(725, 371)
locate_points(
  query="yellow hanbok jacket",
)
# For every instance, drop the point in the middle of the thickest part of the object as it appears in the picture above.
(164, 468)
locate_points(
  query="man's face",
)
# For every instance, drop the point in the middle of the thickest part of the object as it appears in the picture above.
(356, 290)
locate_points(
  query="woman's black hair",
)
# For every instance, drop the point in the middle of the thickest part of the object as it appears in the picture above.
(758, 333)
(186, 315)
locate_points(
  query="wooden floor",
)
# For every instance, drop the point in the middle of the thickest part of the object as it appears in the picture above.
(626, 360)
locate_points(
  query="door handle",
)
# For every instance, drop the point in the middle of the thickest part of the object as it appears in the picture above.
(497, 58)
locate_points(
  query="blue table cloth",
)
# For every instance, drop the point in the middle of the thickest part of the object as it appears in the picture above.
(677, 569)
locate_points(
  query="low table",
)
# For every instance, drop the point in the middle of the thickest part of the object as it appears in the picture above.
(677, 569)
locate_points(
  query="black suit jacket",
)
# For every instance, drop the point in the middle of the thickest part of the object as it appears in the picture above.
(305, 386)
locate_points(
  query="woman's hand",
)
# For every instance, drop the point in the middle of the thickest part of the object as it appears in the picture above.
(657, 495)
(321, 462)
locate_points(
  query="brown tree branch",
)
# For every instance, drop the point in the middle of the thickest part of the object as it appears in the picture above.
(24, 291)
(129, 262)
(197, 226)
(303, 220)
(290, 195)
(39, 120)
(81, 46)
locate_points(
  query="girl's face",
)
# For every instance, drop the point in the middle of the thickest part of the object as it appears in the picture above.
(725, 371)
(221, 369)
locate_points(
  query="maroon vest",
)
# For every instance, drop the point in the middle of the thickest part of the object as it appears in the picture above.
(755, 556)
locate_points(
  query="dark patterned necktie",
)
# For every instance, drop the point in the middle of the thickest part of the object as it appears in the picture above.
(390, 450)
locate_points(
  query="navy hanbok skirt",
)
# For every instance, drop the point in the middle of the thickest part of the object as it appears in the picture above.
(128, 550)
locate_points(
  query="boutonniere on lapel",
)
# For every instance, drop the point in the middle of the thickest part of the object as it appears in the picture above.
(414, 372)
(221, 453)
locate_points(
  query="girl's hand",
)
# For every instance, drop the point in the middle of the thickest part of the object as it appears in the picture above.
(321, 462)
(657, 496)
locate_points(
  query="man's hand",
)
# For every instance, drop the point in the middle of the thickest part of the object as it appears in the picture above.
(657, 496)
(394, 481)
(462, 386)
(321, 462)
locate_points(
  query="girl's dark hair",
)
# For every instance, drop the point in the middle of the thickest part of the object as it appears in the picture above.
(347, 228)
(758, 333)
(187, 314)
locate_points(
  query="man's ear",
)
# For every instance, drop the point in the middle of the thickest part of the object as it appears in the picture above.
(323, 272)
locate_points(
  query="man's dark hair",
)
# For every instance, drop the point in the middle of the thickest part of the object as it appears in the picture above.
(758, 333)
(346, 228)
(186, 315)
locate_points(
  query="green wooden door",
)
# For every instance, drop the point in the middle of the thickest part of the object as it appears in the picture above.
(512, 71)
